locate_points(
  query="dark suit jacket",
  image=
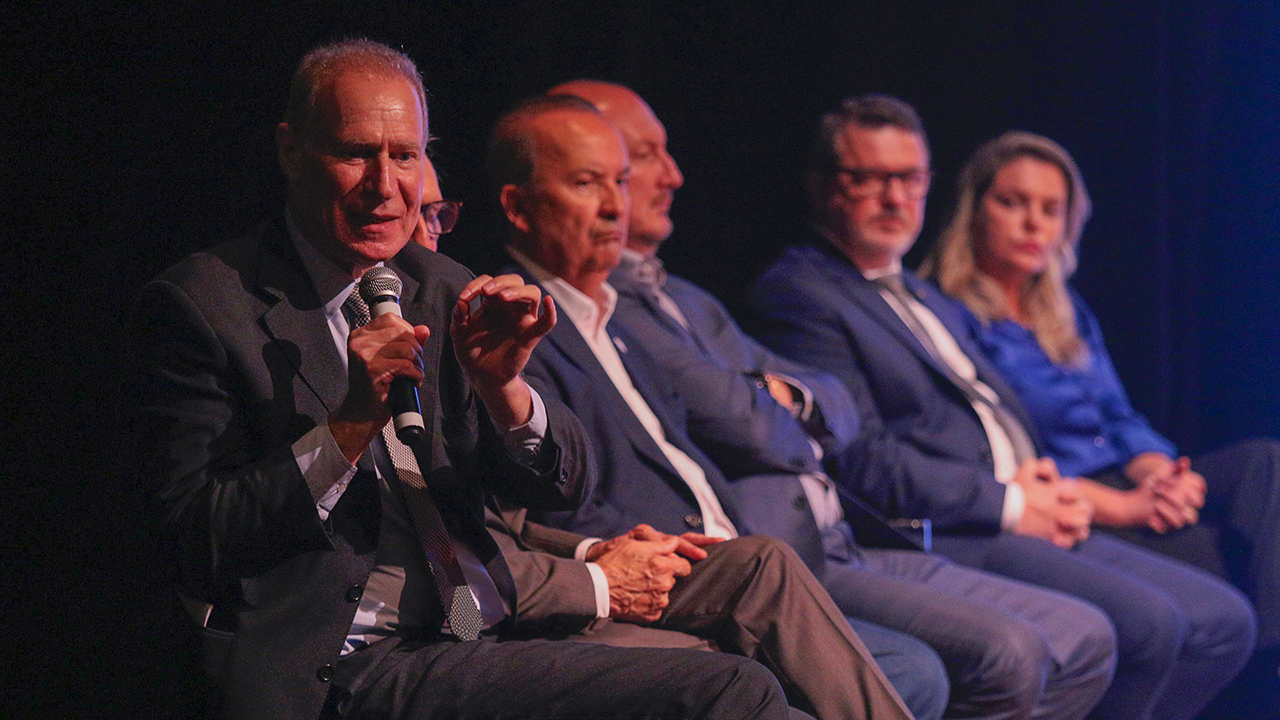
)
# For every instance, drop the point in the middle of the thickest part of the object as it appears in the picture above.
(234, 362)
(637, 482)
(717, 368)
(922, 451)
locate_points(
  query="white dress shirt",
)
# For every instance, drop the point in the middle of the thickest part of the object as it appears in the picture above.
(1002, 454)
(591, 320)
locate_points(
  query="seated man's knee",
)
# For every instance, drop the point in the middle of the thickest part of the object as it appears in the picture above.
(768, 553)
(1152, 630)
(1015, 665)
(737, 687)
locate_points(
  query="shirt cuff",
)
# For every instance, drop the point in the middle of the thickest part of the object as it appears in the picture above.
(602, 589)
(580, 552)
(523, 441)
(324, 468)
(1015, 504)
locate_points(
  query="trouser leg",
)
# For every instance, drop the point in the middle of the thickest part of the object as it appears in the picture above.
(1012, 650)
(1244, 503)
(491, 680)
(913, 668)
(1167, 616)
(761, 600)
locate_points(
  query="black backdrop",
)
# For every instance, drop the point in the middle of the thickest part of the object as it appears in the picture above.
(149, 135)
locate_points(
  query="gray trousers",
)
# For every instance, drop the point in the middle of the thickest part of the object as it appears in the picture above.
(753, 596)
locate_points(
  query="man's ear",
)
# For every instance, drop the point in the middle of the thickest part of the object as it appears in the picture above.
(288, 150)
(515, 207)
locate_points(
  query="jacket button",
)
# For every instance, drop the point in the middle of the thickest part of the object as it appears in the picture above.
(800, 503)
(325, 673)
(355, 593)
(693, 520)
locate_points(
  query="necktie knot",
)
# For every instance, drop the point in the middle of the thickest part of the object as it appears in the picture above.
(893, 283)
(650, 272)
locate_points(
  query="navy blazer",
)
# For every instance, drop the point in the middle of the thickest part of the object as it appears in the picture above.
(716, 367)
(922, 451)
(637, 484)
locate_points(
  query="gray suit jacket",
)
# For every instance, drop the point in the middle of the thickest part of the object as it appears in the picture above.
(233, 362)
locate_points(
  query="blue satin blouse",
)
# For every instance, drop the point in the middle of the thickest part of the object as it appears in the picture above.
(1082, 413)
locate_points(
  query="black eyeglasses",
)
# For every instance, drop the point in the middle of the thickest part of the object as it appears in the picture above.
(441, 216)
(871, 183)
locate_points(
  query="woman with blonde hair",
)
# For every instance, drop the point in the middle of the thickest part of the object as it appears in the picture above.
(1006, 256)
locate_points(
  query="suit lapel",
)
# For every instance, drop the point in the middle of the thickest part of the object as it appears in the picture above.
(570, 344)
(986, 372)
(296, 321)
(867, 295)
(626, 286)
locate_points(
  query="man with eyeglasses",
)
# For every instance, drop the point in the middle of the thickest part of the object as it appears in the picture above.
(943, 437)
(438, 216)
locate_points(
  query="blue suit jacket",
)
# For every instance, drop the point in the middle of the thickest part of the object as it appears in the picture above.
(922, 451)
(716, 367)
(638, 483)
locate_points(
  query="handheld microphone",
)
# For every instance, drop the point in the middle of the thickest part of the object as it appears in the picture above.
(380, 289)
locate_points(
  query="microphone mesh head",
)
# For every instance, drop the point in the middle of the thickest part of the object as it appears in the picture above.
(380, 282)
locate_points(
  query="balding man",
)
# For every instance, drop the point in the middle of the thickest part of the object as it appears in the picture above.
(336, 568)
(1011, 650)
(561, 172)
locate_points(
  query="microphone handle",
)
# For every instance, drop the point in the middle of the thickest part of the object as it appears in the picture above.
(403, 399)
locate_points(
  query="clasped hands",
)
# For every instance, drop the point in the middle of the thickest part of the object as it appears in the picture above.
(1056, 508)
(642, 566)
(1167, 493)
(492, 341)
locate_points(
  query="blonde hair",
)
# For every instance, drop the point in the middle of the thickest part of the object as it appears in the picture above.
(1045, 303)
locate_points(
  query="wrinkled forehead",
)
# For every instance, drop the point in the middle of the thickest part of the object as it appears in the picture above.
(356, 96)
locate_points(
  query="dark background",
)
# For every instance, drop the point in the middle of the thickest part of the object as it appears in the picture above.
(149, 135)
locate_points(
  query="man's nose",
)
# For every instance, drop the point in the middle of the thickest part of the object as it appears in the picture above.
(895, 190)
(673, 177)
(379, 177)
(614, 200)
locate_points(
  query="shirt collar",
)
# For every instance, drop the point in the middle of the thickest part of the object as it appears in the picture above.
(893, 268)
(331, 283)
(585, 314)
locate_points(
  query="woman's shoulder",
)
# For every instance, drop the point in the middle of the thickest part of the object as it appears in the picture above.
(1086, 321)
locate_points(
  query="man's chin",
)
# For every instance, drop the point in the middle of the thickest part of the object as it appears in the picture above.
(375, 247)
(648, 239)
